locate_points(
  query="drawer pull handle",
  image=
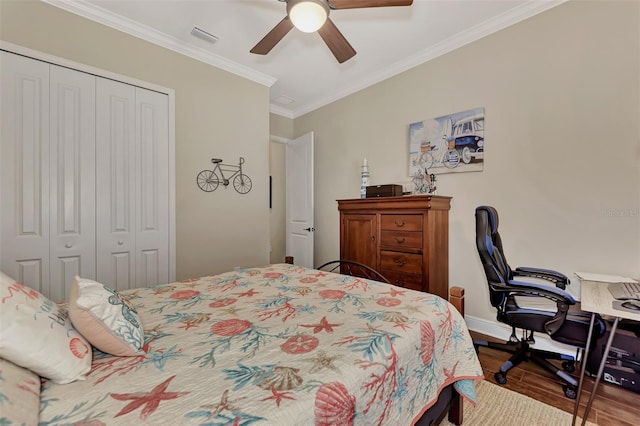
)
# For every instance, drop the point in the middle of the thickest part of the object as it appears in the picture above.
(399, 224)
(400, 240)
(68, 245)
(400, 283)
(400, 262)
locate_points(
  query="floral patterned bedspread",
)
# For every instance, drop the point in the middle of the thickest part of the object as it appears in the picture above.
(277, 345)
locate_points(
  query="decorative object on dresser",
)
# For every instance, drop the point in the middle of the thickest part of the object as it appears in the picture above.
(424, 183)
(364, 184)
(391, 190)
(405, 238)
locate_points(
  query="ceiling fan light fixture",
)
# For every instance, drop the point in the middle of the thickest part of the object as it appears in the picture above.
(308, 15)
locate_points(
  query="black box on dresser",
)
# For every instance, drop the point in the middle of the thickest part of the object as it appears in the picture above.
(391, 190)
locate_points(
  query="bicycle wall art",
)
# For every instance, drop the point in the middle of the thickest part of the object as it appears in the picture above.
(209, 180)
(448, 144)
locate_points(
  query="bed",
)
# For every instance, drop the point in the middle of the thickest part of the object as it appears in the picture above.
(273, 345)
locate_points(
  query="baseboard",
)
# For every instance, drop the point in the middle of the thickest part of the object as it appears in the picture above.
(502, 332)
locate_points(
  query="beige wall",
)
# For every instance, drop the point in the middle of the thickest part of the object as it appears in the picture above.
(281, 126)
(562, 165)
(215, 231)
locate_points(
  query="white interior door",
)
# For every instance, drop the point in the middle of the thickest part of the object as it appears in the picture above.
(72, 179)
(299, 196)
(24, 164)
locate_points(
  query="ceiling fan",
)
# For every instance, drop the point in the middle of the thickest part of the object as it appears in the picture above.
(313, 15)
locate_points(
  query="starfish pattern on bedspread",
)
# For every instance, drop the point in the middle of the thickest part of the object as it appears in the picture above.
(322, 325)
(149, 400)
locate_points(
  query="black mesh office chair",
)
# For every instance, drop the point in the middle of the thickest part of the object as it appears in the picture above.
(560, 324)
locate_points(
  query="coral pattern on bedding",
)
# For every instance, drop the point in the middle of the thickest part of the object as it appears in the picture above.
(278, 345)
(19, 395)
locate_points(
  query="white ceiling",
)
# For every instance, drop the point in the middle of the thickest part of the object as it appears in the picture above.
(388, 40)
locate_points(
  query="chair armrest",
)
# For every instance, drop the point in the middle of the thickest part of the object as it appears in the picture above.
(559, 279)
(561, 297)
(543, 290)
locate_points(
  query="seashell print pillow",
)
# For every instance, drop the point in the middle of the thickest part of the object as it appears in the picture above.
(37, 334)
(105, 318)
(19, 394)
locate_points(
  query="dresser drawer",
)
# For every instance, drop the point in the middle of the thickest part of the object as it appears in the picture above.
(401, 262)
(400, 239)
(410, 281)
(401, 222)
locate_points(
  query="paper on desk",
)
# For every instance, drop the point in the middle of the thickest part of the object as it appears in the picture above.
(589, 276)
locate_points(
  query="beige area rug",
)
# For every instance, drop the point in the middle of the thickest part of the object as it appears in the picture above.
(499, 406)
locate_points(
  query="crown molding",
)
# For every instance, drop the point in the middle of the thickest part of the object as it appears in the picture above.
(120, 23)
(507, 19)
(276, 109)
(279, 139)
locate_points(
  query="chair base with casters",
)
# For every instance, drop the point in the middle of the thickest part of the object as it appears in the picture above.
(522, 351)
(356, 269)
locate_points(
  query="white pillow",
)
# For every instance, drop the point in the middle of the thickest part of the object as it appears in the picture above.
(105, 318)
(36, 334)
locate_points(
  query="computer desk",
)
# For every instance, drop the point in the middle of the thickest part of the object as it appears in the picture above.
(596, 298)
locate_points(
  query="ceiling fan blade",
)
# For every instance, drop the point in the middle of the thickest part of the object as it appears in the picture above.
(336, 42)
(357, 4)
(272, 38)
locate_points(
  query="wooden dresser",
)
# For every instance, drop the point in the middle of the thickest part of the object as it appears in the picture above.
(405, 238)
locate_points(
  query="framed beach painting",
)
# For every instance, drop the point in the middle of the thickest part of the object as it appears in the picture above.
(449, 144)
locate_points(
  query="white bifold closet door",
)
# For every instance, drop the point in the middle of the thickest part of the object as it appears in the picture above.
(24, 156)
(72, 211)
(48, 177)
(84, 179)
(132, 181)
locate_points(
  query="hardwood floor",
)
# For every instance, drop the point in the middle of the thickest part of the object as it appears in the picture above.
(612, 405)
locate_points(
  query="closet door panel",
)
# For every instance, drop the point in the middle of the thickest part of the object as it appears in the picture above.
(152, 187)
(24, 178)
(31, 271)
(66, 268)
(72, 183)
(115, 183)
